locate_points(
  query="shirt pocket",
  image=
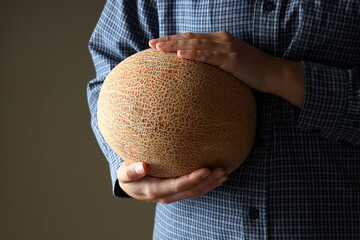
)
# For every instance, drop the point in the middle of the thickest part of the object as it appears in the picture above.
(328, 33)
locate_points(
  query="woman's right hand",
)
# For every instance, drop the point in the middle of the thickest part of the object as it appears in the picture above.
(134, 181)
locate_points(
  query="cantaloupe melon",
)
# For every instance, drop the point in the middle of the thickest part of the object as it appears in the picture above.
(176, 115)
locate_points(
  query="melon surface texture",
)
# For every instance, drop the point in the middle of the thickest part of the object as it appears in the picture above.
(176, 115)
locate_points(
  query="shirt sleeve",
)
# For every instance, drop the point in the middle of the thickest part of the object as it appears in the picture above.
(124, 28)
(332, 102)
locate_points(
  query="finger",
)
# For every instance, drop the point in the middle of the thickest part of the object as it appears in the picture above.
(131, 172)
(215, 179)
(216, 36)
(188, 35)
(161, 188)
(217, 58)
(213, 182)
(193, 44)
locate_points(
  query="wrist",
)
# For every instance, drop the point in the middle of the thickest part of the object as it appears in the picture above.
(286, 79)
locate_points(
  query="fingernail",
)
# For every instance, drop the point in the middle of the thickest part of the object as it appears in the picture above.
(139, 169)
(152, 42)
(181, 52)
(160, 45)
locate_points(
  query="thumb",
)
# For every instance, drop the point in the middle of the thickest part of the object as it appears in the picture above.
(131, 172)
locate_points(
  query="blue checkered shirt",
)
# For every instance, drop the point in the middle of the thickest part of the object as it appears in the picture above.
(302, 178)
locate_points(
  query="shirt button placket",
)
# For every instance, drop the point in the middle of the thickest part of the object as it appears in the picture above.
(265, 37)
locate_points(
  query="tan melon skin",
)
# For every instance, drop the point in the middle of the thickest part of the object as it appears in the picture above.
(176, 115)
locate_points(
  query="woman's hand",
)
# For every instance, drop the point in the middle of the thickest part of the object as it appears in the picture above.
(252, 66)
(133, 180)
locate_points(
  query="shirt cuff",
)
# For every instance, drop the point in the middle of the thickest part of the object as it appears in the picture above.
(118, 192)
(326, 90)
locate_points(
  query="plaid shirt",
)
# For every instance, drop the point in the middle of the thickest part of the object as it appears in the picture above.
(302, 179)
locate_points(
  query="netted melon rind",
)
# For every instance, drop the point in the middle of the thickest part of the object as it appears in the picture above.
(176, 115)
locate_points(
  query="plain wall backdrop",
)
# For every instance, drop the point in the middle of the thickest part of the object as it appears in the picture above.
(55, 181)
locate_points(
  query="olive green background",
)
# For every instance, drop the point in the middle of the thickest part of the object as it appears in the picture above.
(54, 179)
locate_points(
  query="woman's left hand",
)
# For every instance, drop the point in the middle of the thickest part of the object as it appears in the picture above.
(252, 66)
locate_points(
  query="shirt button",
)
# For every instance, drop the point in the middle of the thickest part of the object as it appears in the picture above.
(268, 6)
(253, 213)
